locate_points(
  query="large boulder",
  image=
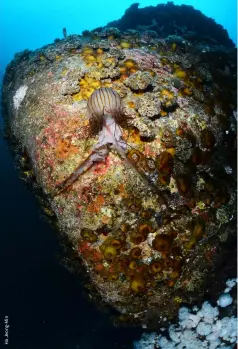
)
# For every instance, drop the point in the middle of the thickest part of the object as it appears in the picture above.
(154, 234)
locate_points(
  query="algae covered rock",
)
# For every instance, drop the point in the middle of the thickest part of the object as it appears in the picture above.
(149, 235)
(139, 80)
(148, 105)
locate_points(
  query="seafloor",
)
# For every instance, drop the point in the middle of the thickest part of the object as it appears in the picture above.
(147, 245)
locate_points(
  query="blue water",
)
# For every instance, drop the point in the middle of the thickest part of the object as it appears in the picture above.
(44, 302)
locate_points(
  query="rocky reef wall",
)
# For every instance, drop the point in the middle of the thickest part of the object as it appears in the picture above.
(147, 245)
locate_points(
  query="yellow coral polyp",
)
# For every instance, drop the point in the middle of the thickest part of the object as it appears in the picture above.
(100, 51)
(156, 267)
(99, 65)
(107, 84)
(133, 70)
(90, 58)
(116, 243)
(110, 252)
(168, 104)
(179, 132)
(137, 285)
(98, 58)
(88, 85)
(122, 70)
(124, 76)
(163, 113)
(145, 229)
(136, 253)
(181, 74)
(88, 235)
(190, 244)
(95, 84)
(171, 151)
(187, 91)
(110, 60)
(162, 243)
(133, 265)
(83, 82)
(87, 51)
(110, 37)
(125, 44)
(137, 238)
(167, 93)
(129, 63)
(174, 275)
(131, 104)
(87, 92)
(77, 97)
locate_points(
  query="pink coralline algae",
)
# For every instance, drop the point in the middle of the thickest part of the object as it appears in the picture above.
(144, 60)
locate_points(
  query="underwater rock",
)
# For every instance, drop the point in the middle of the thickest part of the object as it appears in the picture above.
(148, 105)
(145, 216)
(173, 20)
(139, 80)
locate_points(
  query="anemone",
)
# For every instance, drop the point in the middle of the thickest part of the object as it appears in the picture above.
(88, 235)
(164, 163)
(138, 284)
(136, 252)
(162, 243)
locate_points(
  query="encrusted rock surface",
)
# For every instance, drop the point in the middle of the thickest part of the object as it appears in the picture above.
(144, 257)
(172, 20)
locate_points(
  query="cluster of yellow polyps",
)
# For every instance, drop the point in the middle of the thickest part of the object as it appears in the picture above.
(87, 86)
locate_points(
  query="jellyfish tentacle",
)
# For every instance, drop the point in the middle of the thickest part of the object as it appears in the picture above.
(98, 155)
